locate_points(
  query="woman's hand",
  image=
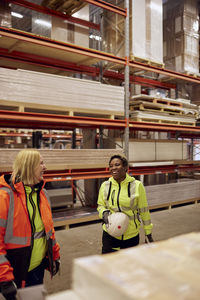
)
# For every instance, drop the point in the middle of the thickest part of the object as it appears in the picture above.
(105, 216)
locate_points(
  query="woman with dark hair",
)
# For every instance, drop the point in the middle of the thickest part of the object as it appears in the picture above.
(27, 236)
(123, 193)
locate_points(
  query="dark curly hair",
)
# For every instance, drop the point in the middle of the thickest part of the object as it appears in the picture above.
(122, 158)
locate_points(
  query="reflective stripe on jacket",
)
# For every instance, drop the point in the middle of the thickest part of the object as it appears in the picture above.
(15, 227)
(128, 196)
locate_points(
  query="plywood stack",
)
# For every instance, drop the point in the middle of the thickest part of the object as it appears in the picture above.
(167, 195)
(163, 110)
(159, 271)
(64, 159)
(75, 95)
(145, 150)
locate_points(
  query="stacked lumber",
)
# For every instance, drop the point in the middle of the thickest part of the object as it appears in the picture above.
(163, 110)
(156, 150)
(63, 159)
(161, 271)
(75, 95)
(167, 195)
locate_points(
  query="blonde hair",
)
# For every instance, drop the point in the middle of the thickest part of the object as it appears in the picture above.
(24, 166)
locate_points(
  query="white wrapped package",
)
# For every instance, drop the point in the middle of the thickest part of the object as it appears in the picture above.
(147, 33)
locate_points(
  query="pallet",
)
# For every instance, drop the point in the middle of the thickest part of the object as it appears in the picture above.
(57, 110)
(146, 106)
(147, 61)
(191, 74)
(161, 121)
(171, 205)
(156, 100)
(162, 118)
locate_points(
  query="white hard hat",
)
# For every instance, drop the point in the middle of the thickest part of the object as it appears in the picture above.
(117, 224)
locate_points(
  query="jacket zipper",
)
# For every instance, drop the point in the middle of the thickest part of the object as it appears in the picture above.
(32, 230)
(118, 197)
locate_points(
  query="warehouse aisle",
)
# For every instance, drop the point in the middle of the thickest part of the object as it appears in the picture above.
(86, 240)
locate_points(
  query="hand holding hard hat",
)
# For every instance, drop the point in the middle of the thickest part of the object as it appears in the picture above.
(117, 224)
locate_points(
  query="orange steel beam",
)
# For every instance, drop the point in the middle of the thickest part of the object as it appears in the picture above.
(173, 74)
(51, 12)
(108, 6)
(46, 42)
(69, 174)
(104, 172)
(45, 135)
(13, 119)
(145, 126)
(57, 64)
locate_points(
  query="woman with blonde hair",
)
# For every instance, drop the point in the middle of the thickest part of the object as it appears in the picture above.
(27, 236)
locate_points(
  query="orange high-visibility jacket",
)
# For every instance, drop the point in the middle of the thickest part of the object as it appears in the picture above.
(15, 230)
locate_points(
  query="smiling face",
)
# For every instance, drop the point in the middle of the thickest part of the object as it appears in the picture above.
(117, 170)
(39, 171)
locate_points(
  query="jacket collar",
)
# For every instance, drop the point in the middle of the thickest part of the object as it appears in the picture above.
(127, 179)
(6, 180)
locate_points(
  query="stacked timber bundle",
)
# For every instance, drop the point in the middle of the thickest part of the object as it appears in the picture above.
(167, 195)
(155, 150)
(64, 159)
(161, 271)
(60, 93)
(163, 110)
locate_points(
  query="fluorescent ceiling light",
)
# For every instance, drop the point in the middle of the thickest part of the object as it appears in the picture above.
(17, 15)
(42, 22)
(96, 37)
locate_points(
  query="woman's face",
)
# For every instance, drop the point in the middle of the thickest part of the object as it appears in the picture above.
(117, 170)
(39, 171)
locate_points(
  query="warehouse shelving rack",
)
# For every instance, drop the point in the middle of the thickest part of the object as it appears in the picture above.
(17, 49)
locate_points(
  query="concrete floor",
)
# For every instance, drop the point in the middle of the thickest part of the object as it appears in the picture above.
(86, 239)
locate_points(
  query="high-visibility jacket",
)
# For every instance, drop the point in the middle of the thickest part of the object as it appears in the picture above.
(129, 197)
(16, 237)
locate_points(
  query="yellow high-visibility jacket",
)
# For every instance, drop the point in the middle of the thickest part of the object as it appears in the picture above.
(129, 197)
